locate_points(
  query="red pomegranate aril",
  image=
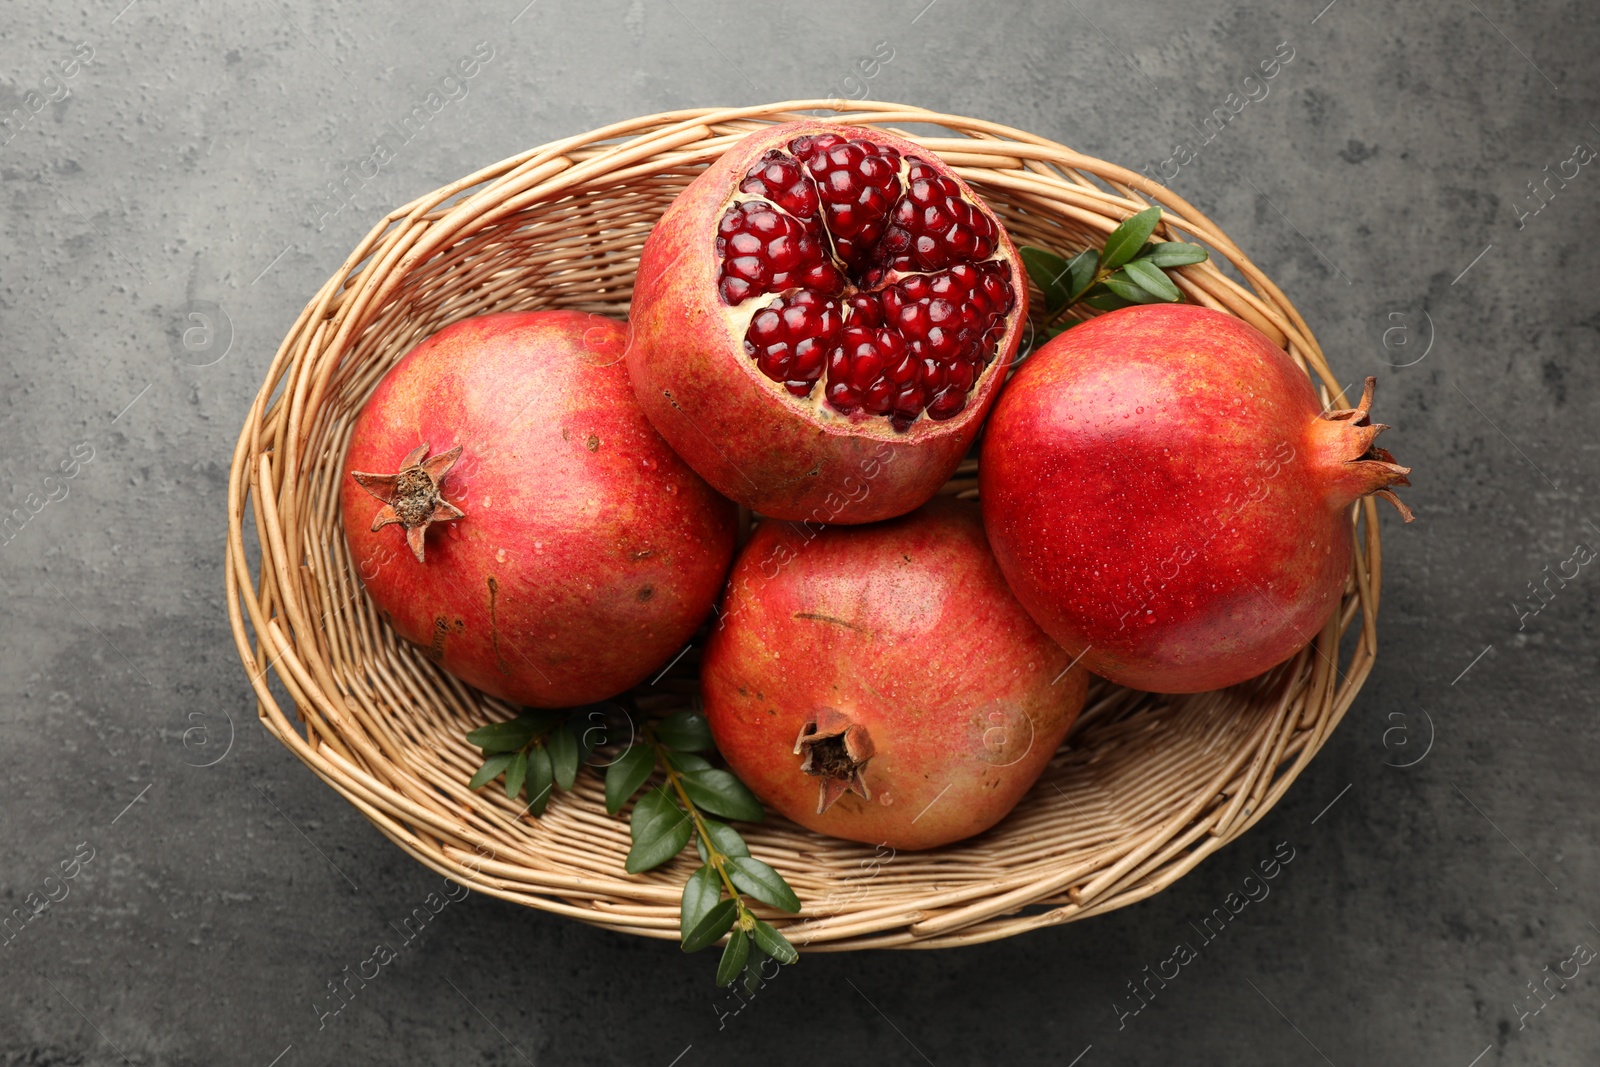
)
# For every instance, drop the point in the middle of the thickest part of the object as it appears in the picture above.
(908, 404)
(808, 359)
(784, 253)
(866, 309)
(878, 397)
(843, 397)
(863, 363)
(948, 403)
(913, 318)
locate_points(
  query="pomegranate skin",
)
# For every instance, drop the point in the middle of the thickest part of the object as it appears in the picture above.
(588, 553)
(905, 629)
(784, 456)
(1166, 496)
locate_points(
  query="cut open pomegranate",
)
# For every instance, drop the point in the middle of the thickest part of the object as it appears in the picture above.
(887, 273)
(874, 296)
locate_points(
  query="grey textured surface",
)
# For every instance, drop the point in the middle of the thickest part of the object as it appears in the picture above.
(1383, 182)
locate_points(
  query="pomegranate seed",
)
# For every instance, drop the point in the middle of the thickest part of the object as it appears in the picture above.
(926, 308)
(866, 309)
(948, 403)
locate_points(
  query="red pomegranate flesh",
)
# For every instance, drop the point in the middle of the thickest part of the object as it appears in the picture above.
(820, 322)
(1168, 498)
(881, 683)
(510, 509)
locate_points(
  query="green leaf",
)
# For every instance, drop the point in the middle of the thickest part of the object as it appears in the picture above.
(539, 785)
(752, 976)
(733, 956)
(1126, 240)
(700, 894)
(711, 926)
(1175, 254)
(720, 793)
(1083, 266)
(491, 769)
(515, 774)
(1102, 299)
(686, 731)
(563, 749)
(1153, 281)
(774, 944)
(625, 776)
(660, 830)
(687, 761)
(1047, 270)
(1130, 290)
(502, 736)
(762, 882)
(724, 837)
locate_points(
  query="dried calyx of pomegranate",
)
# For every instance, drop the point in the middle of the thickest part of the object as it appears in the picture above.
(411, 495)
(879, 278)
(836, 750)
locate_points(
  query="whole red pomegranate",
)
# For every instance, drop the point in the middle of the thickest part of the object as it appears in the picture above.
(821, 320)
(881, 683)
(511, 510)
(1167, 497)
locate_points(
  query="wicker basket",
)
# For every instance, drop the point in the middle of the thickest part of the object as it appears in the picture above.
(1145, 787)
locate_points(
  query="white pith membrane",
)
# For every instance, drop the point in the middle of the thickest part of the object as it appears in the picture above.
(937, 327)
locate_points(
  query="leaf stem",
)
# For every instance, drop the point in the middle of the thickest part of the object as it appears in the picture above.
(1100, 275)
(714, 855)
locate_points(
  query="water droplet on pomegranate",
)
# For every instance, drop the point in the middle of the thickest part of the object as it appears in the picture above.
(648, 463)
(500, 556)
(1138, 411)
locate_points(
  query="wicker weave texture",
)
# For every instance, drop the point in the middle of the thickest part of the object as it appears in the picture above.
(1146, 785)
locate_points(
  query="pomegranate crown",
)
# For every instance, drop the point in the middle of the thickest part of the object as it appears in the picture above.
(1373, 468)
(411, 495)
(836, 751)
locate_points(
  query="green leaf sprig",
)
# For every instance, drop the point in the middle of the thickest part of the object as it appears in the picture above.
(537, 752)
(669, 814)
(1128, 270)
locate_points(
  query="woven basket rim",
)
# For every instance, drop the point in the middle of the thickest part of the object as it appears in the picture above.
(383, 727)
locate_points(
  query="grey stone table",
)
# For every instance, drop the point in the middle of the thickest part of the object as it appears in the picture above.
(1418, 177)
